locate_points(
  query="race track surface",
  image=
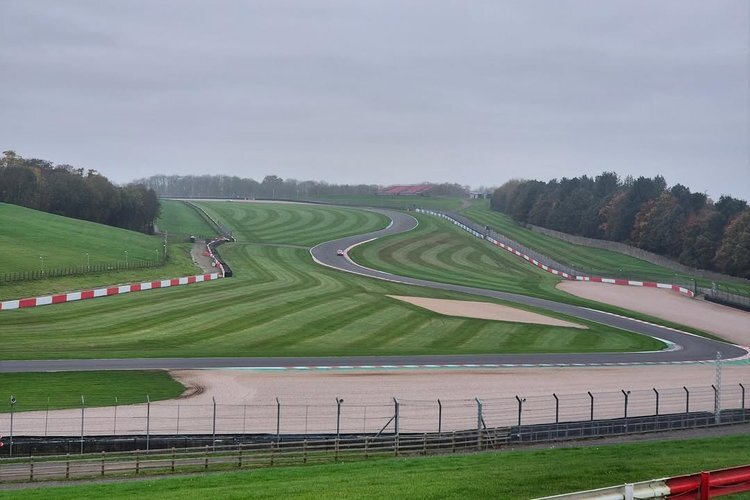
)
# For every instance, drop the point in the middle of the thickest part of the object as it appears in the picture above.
(684, 347)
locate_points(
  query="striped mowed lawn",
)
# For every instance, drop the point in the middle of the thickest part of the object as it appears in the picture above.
(595, 261)
(280, 304)
(178, 218)
(293, 224)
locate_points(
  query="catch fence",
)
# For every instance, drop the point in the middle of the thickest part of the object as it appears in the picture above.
(340, 417)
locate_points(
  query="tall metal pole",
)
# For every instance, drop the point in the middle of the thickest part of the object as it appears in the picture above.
(440, 416)
(717, 392)
(591, 396)
(626, 394)
(278, 419)
(520, 408)
(338, 416)
(148, 422)
(657, 400)
(395, 416)
(83, 406)
(114, 429)
(12, 411)
(557, 408)
(213, 426)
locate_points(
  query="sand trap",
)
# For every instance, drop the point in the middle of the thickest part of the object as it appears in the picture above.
(484, 310)
(730, 324)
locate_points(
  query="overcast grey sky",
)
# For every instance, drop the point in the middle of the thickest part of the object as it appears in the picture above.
(380, 91)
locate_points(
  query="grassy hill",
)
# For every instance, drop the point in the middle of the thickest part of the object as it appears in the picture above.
(180, 220)
(37, 241)
(590, 260)
(281, 304)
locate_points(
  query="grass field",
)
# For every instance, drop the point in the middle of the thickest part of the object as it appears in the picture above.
(281, 304)
(291, 224)
(57, 390)
(400, 202)
(28, 235)
(180, 220)
(507, 475)
(593, 261)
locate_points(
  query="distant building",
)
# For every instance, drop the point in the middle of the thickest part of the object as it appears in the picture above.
(403, 190)
(479, 196)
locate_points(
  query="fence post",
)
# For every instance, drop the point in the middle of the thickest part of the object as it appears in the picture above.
(742, 387)
(278, 419)
(12, 411)
(114, 425)
(395, 416)
(83, 406)
(626, 394)
(440, 417)
(557, 408)
(687, 399)
(480, 420)
(103, 455)
(591, 396)
(213, 426)
(46, 418)
(657, 400)
(338, 417)
(520, 409)
(148, 422)
(178, 419)
(717, 390)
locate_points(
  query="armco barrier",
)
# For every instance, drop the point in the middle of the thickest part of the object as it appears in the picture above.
(104, 292)
(568, 274)
(697, 486)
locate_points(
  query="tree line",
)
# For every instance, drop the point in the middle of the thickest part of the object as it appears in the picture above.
(72, 192)
(643, 212)
(272, 187)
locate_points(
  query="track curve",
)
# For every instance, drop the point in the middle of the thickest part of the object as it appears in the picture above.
(685, 347)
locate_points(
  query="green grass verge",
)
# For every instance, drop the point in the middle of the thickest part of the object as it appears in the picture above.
(507, 475)
(28, 235)
(399, 202)
(594, 261)
(440, 251)
(280, 304)
(57, 390)
(180, 219)
(179, 264)
(291, 224)
(63, 243)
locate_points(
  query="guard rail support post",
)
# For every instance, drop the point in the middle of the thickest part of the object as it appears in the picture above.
(557, 408)
(591, 413)
(657, 400)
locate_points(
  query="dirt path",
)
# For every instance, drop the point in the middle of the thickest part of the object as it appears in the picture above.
(728, 323)
(200, 259)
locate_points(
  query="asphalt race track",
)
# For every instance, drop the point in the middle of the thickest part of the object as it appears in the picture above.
(684, 347)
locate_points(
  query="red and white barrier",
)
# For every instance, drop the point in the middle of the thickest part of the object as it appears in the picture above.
(104, 292)
(534, 262)
(702, 485)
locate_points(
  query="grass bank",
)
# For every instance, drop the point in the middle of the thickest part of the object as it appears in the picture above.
(507, 475)
(59, 390)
